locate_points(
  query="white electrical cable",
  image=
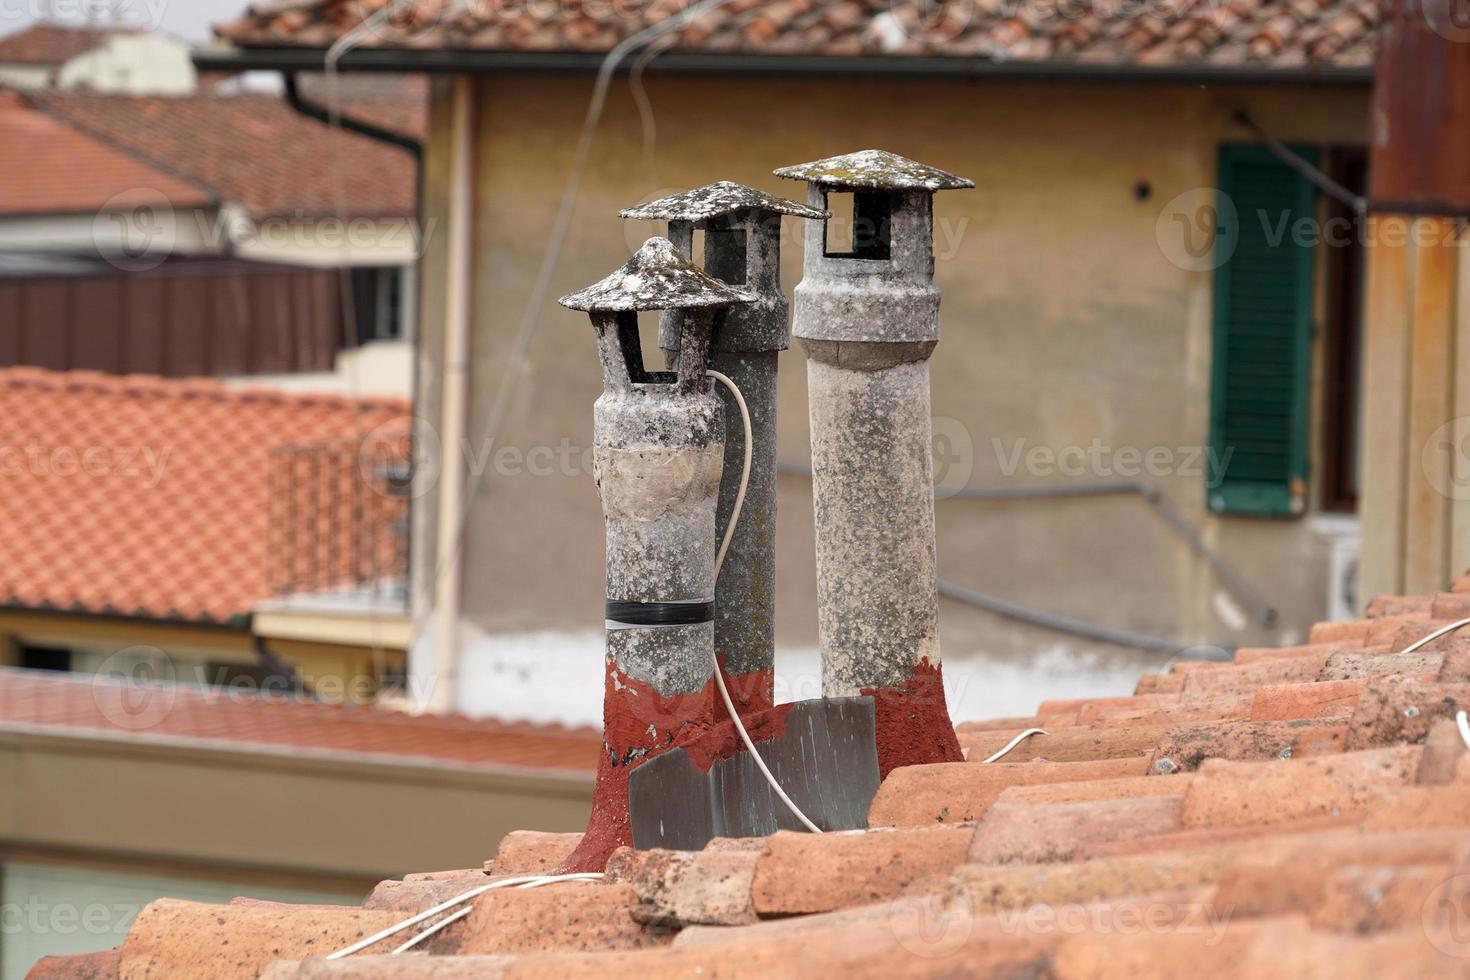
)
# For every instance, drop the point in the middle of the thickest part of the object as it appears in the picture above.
(413, 941)
(1464, 726)
(719, 562)
(1435, 635)
(536, 881)
(1013, 743)
(456, 916)
(520, 881)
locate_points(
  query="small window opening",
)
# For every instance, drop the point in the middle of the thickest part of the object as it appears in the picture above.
(724, 255)
(45, 658)
(860, 226)
(377, 304)
(638, 332)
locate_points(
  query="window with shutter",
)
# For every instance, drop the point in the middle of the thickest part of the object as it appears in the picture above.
(1262, 336)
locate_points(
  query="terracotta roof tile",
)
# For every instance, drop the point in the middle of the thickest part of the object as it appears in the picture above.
(799, 873)
(78, 705)
(1345, 856)
(51, 44)
(170, 518)
(212, 942)
(1036, 833)
(1093, 790)
(1159, 35)
(51, 167)
(950, 793)
(251, 149)
(531, 851)
(689, 888)
(1079, 744)
(574, 915)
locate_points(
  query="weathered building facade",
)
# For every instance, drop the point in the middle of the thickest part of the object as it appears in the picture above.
(1144, 304)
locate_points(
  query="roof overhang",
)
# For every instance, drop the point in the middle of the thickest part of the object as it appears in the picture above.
(578, 62)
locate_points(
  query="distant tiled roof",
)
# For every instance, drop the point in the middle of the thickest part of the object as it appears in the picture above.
(50, 167)
(140, 496)
(72, 704)
(50, 44)
(1222, 33)
(1295, 812)
(250, 149)
(395, 102)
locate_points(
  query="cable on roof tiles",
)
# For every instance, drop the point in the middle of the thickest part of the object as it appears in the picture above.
(417, 938)
(520, 881)
(455, 917)
(1435, 635)
(1013, 743)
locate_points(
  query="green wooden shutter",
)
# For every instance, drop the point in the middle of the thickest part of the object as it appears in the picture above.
(1262, 336)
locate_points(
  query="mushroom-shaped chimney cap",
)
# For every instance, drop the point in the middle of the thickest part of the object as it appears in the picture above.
(713, 200)
(655, 278)
(878, 169)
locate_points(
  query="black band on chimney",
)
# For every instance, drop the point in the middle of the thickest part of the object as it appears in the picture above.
(622, 614)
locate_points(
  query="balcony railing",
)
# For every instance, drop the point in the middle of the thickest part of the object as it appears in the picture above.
(339, 519)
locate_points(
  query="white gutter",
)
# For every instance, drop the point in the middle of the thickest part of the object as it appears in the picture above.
(440, 688)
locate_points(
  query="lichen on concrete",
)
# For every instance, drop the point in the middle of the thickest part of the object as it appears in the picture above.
(657, 277)
(877, 169)
(713, 200)
(868, 324)
(658, 449)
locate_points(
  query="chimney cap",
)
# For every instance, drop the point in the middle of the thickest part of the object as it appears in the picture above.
(877, 169)
(713, 200)
(657, 277)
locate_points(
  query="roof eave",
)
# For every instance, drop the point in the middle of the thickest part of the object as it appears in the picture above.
(580, 62)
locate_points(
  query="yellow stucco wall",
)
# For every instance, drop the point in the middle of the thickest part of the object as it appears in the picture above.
(1063, 322)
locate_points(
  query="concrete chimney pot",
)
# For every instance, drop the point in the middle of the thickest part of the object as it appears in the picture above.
(742, 247)
(658, 449)
(867, 315)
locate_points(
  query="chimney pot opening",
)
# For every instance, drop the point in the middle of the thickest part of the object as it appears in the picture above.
(863, 222)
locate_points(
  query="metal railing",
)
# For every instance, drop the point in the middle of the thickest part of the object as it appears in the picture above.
(339, 519)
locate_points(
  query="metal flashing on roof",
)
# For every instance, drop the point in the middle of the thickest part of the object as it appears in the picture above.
(877, 169)
(657, 277)
(713, 200)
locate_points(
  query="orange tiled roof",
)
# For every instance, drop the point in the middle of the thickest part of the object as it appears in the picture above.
(1300, 812)
(252, 149)
(399, 103)
(51, 167)
(51, 44)
(1259, 33)
(141, 496)
(76, 704)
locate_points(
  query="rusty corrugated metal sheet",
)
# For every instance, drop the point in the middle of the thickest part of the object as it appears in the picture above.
(1421, 109)
(181, 320)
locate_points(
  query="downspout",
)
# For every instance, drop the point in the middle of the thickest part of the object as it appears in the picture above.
(457, 286)
(321, 113)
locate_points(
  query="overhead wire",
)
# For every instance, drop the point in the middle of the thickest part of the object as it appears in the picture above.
(540, 289)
